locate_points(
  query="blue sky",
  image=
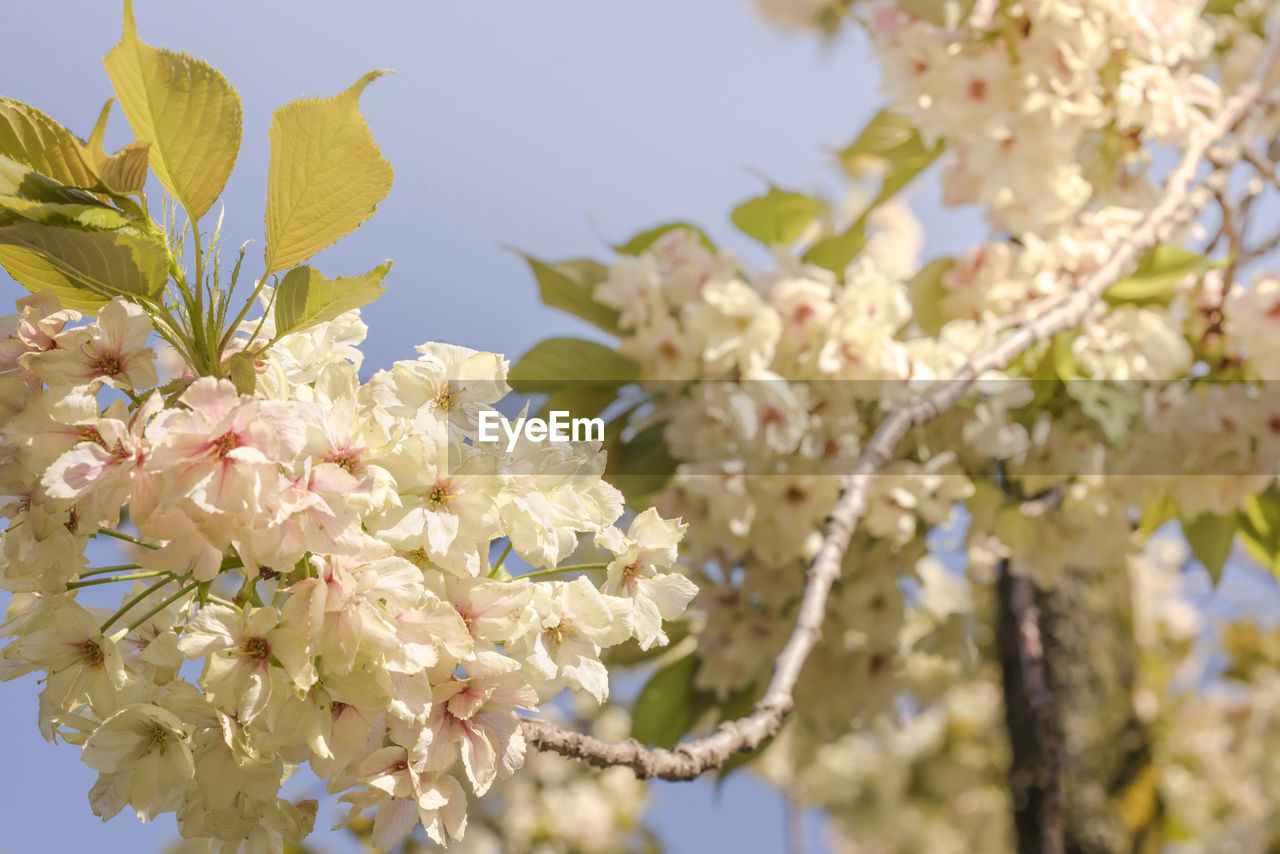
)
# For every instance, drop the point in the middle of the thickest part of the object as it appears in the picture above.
(554, 127)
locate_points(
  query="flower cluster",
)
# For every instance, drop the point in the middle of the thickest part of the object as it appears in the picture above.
(559, 806)
(311, 574)
(1046, 105)
(766, 388)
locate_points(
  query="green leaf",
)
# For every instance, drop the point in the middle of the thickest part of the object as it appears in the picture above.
(583, 400)
(570, 286)
(326, 177)
(243, 375)
(32, 138)
(777, 217)
(645, 239)
(1259, 528)
(891, 146)
(558, 363)
(103, 263)
(836, 253)
(305, 297)
(1262, 513)
(20, 181)
(629, 654)
(93, 216)
(669, 706)
(35, 273)
(738, 704)
(1158, 271)
(1210, 536)
(126, 170)
(1157, 511)
(185, 109)
(641, 466)
(926, 292)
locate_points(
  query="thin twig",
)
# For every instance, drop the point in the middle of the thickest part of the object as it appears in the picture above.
(1043, 320)
(1265, 168)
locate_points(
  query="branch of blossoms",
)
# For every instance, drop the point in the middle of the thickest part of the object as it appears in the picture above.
(1183, 198)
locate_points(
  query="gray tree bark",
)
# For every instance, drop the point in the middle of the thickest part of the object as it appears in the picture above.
(1081, 760)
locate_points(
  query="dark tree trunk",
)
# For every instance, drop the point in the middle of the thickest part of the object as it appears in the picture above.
(1080, 775)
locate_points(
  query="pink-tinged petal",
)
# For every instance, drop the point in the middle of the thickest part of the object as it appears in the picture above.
(394, 821)
(479, 759)
(109, 795)
(468, 701)
(378, 768)
(213, 399)
(77, 470)
(448, 818)
(327, 477)
(289, 431)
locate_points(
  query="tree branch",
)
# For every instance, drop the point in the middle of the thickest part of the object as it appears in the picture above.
(1046, 318)
(1036, 772)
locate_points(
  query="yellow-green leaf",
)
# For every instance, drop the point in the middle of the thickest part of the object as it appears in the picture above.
(647, 238)
(120, 173)
(640, 466)
(1158, 271)
(581, 400)
(1259, 528)
(836, 253)
(326, 177)
(1210, 536)
(35, 273)
(558, 363)
(35, 140)
(21, 181)
(185, 109)
(305, 297)
(779, 216)
(104, 263)
(126, 170)
(570, 286)
(669, 705)
(243, 375)
(890, 146)
(926, 291)
(85, 216)
(1159, 510)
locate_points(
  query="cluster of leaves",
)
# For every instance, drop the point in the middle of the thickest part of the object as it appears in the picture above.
(76, 221)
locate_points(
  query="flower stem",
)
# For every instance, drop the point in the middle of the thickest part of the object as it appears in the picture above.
(542, 573)
(128, 539)
(124, 609)
(165, 604)
(493, 573)
(74, 585)
(103, 570)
